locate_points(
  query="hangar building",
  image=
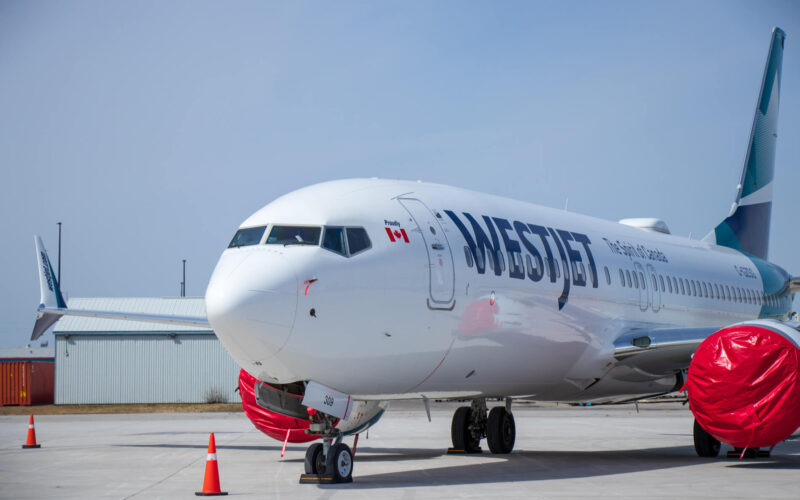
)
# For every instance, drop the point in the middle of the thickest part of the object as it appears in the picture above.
(103, 361)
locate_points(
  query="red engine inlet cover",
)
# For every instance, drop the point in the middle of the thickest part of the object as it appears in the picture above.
(744, 386)
(270, 423)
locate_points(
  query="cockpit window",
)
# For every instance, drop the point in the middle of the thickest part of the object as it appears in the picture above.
(357, 239)
(245, 237)
(293, 235)
(334, 240)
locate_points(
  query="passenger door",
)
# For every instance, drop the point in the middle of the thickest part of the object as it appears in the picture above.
(643, 286)
(655, 303)
(440, 257)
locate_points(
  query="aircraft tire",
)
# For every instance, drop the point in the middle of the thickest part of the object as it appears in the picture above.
(500, 430)
(339, 463)
(313, 459)
(705, 444)
(460, 433)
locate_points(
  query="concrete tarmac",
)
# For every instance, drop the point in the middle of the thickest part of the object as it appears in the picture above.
(560, 452)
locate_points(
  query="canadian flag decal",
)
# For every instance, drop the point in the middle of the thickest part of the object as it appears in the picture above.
(397, 234)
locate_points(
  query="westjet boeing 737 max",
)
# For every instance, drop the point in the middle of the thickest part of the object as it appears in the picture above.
(344, 295)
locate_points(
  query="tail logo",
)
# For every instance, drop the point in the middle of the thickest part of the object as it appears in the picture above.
(46, 271)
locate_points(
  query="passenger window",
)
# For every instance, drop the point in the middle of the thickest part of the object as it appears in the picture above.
(669, 284)
(357, 240)
(635, 280)
(294, 235)
(334, 240)
(468, 256)
(608, 275)
(643, 281)
(655, 283)
(727, 293)
(557, 267)
(628, 275)
(683, 290)
(705, 289)
(675, 283)
(246, 237)
(661, 280)
(622, 277)
(501, 260)
(694, 288)
(716, 291)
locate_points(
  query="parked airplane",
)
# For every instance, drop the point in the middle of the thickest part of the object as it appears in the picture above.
(342, 296)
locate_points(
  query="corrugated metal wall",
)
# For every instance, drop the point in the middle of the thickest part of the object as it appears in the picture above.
(142, 368)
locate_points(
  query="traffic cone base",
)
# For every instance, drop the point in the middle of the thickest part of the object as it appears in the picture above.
(31, 441)
(211, 478)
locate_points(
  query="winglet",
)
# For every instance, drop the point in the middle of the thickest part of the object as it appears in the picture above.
(50, 293)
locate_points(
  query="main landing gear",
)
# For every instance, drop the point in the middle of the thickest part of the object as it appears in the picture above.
(705, 444)
(471, 424)
(330, 461)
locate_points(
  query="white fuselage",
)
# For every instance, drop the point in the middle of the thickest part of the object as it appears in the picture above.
(436, 316)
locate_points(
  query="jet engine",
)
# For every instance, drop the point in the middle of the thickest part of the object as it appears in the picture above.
(744, 384)
(275, 424)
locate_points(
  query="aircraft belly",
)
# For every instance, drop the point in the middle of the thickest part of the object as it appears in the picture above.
(513, 344)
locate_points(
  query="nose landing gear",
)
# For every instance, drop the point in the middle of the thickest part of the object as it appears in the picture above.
(470, 425)
(330, 461)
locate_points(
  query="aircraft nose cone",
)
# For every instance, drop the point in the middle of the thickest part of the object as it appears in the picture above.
(251, 304)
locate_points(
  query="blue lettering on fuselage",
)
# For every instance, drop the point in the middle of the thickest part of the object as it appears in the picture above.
(483, 242)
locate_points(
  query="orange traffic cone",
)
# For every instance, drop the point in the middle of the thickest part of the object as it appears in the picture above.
(211, 479)
(31, 441)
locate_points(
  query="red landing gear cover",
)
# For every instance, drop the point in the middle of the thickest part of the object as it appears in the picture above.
(270, 423)
(744, 386)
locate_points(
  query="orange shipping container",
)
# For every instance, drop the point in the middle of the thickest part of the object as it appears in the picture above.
(26, 382)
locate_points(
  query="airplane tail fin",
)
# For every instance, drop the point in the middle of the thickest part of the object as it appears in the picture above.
(50, 297)
(747, 226)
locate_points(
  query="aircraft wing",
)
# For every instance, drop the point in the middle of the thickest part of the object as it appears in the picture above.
(660, 351)
(52, 306)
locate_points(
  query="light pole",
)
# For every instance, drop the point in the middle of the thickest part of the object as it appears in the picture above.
(59, 254)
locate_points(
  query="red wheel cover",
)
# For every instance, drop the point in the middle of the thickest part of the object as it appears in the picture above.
(744, 386)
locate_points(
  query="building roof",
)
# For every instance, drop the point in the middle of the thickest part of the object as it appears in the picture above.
(174, 306)
(27, 353)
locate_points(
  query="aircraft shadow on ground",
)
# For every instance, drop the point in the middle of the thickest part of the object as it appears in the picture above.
(517, 466)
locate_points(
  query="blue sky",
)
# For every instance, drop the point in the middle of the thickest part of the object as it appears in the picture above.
(152, 129)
